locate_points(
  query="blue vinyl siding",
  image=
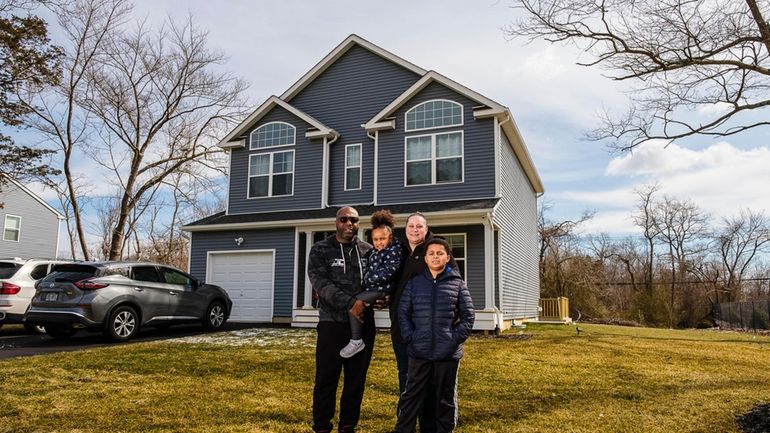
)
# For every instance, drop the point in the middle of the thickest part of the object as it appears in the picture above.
(344, 97)
(280, 240)
(308, 155)
(478, 155)
(517, 217)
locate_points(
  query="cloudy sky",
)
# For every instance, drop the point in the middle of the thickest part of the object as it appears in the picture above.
(273, 43)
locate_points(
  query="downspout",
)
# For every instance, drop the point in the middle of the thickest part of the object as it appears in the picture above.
(375, 185)
(498, 151)
(325, 172)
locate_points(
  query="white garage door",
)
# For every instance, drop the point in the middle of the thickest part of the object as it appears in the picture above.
(248, 279)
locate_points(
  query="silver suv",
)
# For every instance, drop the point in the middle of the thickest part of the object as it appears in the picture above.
(118, 298)
(17, 287)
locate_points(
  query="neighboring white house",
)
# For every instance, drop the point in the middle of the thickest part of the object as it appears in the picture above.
(30, 226)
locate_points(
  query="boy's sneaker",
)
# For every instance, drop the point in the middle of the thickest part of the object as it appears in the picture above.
(352, 348)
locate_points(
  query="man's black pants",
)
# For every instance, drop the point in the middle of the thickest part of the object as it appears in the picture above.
(424, 376)
(333, 336)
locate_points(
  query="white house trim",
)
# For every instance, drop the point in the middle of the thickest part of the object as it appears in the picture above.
(490, 105)
(237, 139)
(462, 116)
(360, 166)
(18, 230)
(434, 158)
(488, 109)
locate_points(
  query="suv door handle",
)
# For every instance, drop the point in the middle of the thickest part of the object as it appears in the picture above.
(172, 293)
(139, 289)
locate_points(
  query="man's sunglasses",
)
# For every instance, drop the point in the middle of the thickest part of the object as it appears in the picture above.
(344, 220)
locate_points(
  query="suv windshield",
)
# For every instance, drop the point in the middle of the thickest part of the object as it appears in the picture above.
(69, 273)
(8, 269)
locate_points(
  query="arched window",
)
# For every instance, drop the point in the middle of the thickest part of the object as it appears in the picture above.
(437, 113)
(273, 134)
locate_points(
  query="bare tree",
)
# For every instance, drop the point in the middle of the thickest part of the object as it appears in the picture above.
(684, 55)
(681, 226)
(740, 240)
(59, 115)
(644, 218)
(142, 103)
(162, 104)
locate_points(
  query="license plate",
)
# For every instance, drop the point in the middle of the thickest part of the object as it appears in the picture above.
(51, 296)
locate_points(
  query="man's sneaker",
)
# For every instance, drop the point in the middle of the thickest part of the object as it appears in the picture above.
(352, 348)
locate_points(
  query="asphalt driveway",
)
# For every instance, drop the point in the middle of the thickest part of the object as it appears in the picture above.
(15, 341)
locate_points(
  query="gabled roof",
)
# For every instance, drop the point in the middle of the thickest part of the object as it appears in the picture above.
(338, 52)
(233, 139)
(488, 108)
(33, 195)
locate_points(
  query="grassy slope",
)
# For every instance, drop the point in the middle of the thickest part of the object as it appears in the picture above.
(609, 379)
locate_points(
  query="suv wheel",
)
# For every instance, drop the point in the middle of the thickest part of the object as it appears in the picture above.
(60, 332)
(123, 324)
(34, 329)
(215, 316)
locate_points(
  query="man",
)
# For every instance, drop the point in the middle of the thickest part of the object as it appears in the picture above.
(335, 268)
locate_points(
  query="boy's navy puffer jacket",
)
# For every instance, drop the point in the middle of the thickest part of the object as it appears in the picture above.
(436, 316)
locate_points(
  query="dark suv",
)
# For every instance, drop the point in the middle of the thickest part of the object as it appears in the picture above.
(119, 298)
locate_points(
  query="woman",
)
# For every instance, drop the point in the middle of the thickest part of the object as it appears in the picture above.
(417, 234)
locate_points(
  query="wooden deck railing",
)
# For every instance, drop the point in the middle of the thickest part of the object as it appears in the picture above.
(554, 309)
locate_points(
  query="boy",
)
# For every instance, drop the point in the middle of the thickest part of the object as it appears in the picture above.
(436, 316)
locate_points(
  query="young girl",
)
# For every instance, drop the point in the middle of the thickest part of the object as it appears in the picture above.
(382, 271)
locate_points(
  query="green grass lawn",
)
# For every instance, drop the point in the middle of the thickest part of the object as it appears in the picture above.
(608, 379)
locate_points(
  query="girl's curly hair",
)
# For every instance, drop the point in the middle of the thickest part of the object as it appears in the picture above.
(383, 219)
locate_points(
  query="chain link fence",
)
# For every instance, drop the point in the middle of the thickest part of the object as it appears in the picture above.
(749, 315)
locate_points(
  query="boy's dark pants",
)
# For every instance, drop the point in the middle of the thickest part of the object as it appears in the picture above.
(443, 376)
(333, 336)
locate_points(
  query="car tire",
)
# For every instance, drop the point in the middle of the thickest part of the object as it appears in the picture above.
(34, 329)
(62, 332)
(122, 324)
(215, 316)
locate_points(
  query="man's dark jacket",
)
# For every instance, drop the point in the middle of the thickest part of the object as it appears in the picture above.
(436, 315)
(413, 265)
(335, 274)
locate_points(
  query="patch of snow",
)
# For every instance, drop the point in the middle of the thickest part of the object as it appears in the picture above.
(261, 337)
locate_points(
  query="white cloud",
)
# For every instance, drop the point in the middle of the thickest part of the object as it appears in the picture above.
(714, 109)
(720, 179)
(615, 222)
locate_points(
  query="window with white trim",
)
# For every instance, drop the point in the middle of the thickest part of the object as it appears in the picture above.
(456, 242)
(12, 228)
(433, 159)
(438, 113)
(271, 174)
(272, 134)
(352, 166)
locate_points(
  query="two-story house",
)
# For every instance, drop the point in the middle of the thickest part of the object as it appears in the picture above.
(367, 128)
(30, 225)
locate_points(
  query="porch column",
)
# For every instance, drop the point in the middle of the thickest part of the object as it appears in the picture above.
(489, 265)
(308, 300)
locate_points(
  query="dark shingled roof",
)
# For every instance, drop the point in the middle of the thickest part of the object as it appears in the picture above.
(441, 206)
